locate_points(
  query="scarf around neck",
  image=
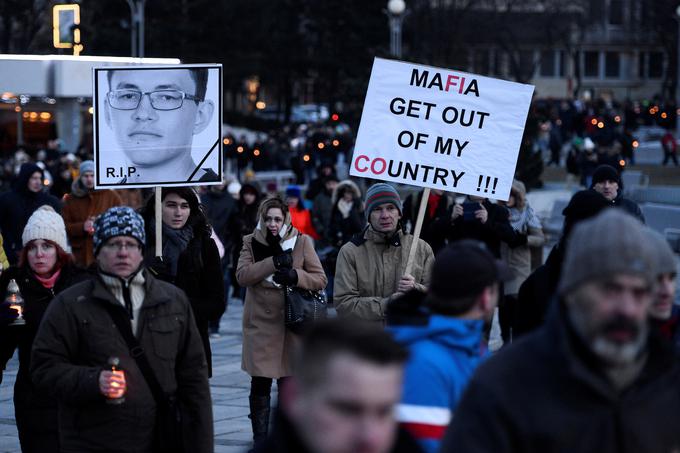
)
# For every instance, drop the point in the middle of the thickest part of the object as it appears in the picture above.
(174, 243)
(48, 282)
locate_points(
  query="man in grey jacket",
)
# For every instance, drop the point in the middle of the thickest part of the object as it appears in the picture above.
(370, 270)
(78, 338)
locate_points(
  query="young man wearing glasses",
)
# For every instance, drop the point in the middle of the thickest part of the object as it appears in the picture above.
(78, 339)
(154, 115)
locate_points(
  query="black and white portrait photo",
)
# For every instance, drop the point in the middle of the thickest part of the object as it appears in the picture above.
(157, 126)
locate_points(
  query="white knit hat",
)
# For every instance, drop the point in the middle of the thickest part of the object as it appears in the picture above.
(45, 223)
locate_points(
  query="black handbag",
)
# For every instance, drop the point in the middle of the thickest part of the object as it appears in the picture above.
(303, 308)
(168, 435)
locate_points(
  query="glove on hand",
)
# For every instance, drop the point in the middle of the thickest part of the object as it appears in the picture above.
(160, 269)
(284, 260)
(286, 277)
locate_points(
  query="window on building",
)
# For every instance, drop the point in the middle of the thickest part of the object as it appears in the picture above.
(547, 63)
(591, 64)
(526, 63)
(612, 65)
(482, 62)
(497, 66)
(615, 12)
(563, 63)
(641, 65)
(655, 65)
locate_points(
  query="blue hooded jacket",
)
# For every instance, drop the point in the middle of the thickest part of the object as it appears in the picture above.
(444, 353)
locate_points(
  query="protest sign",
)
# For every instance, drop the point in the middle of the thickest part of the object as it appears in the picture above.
(157, 126)
(441, 129)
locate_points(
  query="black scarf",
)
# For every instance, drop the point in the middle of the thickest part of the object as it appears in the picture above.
(174, 243)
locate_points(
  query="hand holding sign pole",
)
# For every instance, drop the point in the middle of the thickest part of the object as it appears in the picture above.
(440, 129)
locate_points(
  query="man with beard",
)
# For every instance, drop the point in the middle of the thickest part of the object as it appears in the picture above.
(443, 331)
(591, 379)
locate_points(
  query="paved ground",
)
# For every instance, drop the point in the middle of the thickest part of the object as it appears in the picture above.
(229, 387)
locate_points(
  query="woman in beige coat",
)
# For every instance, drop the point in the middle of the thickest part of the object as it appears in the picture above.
(275, 255)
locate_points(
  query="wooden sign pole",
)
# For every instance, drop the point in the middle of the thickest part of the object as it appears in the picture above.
(159, 221)
(416, 232)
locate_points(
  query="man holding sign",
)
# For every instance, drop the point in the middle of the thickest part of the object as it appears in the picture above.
(371, 267)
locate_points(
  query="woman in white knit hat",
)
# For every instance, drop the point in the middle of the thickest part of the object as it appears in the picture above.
(45, 268)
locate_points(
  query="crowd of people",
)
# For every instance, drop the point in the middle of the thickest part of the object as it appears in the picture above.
(114, 337)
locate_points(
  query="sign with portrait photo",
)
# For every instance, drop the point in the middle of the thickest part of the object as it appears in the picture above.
(157, 125)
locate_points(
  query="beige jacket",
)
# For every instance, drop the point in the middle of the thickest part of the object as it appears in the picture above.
(367, 274)
(268, 347)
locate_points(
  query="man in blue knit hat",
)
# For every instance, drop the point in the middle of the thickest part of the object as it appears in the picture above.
(371, 267)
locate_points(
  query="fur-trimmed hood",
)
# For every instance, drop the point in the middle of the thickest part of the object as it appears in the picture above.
(342, 187)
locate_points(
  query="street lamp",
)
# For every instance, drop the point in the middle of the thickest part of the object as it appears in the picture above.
(395, 13)
(137, 27)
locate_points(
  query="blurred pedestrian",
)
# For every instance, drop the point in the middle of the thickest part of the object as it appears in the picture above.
(276, 255)
(17, 205)
(607, 181)
(44, 270)
(587, 162)
(300, 216)
(592, 379)
(343, 398)
(524, 221)
(438, 204)
(4, 263)
(347, 213)
(81, 207)
(322, 209)
(190, 259)
(480, 219)
(536, 294)
(89, 324)
(670, 148)
(664, 313)
(371, 267)
(316, 186)
(444, 330)
(220, 209)
(245, 221)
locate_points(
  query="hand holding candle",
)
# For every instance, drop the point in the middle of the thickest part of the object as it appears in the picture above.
(112, 382)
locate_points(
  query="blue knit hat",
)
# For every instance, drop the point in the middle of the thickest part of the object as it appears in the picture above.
(118, 221)
(294, 191)
(379, 194)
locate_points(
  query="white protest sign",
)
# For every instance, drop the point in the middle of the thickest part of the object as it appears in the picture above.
(442, 129)
(157, 125)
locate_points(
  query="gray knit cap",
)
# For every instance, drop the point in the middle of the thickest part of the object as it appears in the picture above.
(382, 193)
(613, 242)
(86, 166)
(665, 259)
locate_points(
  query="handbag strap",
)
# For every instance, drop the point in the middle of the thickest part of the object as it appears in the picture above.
(122, 321)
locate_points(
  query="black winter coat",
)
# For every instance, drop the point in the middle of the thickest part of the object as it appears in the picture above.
(537, 293)
(75, 341)
(629, 206)
(430, 233)
(16, 206)
(495, 230)
(36, 412)
(220, 209)
(199, 275)
(545, 394)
